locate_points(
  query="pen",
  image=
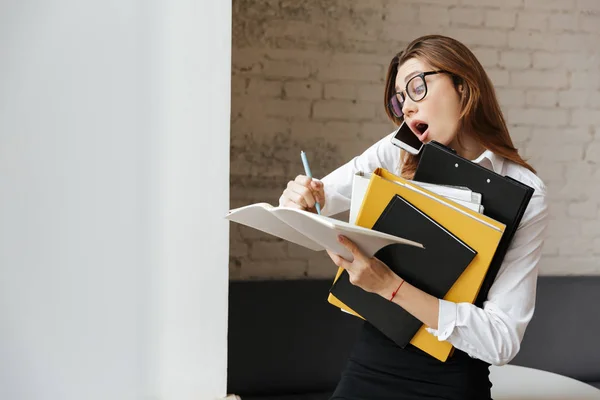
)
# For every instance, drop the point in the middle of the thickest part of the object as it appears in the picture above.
(309, 174)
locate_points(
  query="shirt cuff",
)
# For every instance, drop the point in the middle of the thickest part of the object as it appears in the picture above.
(446, 320)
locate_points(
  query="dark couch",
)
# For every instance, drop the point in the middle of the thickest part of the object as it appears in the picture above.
(287, 343)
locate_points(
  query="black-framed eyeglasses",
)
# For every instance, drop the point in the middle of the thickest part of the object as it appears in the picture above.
(416, 88)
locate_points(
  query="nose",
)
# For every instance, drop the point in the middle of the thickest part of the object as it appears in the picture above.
(409, 107)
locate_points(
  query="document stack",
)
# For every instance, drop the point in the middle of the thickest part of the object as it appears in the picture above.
(464, 215)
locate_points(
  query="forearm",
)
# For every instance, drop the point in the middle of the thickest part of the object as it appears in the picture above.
(421, 305)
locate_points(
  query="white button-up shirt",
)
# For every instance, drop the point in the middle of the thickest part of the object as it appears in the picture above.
(492, 333)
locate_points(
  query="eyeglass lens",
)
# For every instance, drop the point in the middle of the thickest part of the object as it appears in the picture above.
(416, 90)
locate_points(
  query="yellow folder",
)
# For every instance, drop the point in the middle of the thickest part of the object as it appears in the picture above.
(476, 230)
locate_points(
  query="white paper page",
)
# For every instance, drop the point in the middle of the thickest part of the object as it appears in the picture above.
(472, 206)
(452, 192)
(260, 216)
(447, 203)
(325, 230)
(359, 189)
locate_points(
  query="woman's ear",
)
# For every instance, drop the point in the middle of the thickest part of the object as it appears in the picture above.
(458, 83)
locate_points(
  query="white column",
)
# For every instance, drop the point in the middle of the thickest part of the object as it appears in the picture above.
(195, 197)
(114, 177)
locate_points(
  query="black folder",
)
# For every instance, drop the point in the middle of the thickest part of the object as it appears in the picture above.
(433, 269)
(503, 198)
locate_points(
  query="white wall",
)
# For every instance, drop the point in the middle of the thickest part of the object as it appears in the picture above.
(113, 182)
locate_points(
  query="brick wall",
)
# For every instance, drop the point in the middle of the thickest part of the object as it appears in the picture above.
(309, 75)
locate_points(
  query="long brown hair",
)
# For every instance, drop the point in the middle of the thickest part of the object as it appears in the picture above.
(481, 117)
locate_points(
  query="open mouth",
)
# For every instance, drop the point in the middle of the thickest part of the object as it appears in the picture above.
(421, 127)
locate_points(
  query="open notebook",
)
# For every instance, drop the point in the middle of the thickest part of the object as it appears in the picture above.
(315, 232)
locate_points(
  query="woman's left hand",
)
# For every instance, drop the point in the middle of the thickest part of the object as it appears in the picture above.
(368, 273)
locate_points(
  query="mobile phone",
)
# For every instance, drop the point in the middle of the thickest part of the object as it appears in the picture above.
(407, 140)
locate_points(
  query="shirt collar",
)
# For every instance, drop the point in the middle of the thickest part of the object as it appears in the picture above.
(491, 161)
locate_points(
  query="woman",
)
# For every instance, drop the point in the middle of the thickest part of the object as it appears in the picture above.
(438, 87)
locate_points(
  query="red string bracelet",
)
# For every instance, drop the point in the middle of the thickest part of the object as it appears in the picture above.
(396, 291)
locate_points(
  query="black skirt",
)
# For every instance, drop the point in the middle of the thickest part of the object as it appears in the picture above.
(378, 369)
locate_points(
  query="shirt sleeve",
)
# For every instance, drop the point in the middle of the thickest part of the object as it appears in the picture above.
(338, 184)
(494, 333)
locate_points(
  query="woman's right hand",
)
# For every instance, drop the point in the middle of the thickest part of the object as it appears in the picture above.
(302, 193)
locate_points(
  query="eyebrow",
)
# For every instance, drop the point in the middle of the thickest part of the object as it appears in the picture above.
(407, 78)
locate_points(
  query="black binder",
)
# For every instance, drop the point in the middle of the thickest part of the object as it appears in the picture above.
(503, 198)
(419, 267)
